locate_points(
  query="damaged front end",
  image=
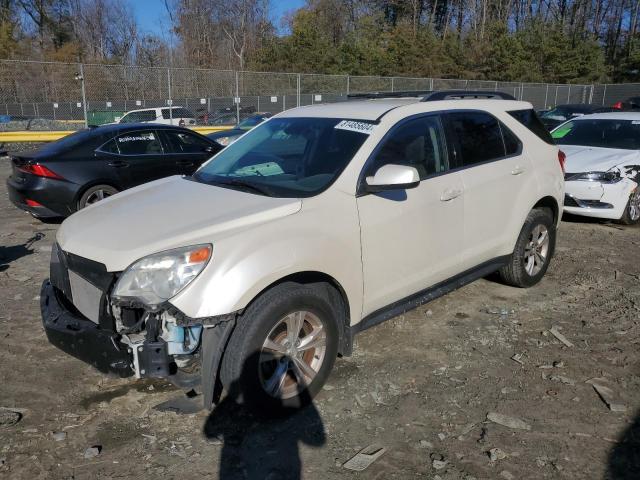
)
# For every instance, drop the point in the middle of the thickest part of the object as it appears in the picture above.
(130, 335)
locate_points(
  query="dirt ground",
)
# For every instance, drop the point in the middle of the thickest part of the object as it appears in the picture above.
(420, 385)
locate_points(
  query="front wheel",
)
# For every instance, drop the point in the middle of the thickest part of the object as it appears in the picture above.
(283, 348)
(631, 214)
(533, 251)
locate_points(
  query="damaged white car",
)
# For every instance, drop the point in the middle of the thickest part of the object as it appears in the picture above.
(602, 165)
(257, 271)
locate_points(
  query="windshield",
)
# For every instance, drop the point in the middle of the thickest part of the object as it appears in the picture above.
(623, 134)
(287, 157)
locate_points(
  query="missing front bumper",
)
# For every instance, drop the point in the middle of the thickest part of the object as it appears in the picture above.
(82, 338)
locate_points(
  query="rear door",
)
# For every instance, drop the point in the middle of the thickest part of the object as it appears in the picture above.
(186, 150)
(411, 239)
(496, 175)
(140, 158)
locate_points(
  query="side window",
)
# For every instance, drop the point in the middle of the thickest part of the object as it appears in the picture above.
(512, 144)
(183, 142)
(478, 135)
(143, 142)
(530, 119)
(110, 147)
(417, 143)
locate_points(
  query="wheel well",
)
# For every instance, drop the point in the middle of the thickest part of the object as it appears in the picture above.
(335, 292)
(551, 204)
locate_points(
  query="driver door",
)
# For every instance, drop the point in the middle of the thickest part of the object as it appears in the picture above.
(411, 239)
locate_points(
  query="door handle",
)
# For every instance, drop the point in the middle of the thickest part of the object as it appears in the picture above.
(517, 170)
(450, 194)
(184, 163)
(118, 164)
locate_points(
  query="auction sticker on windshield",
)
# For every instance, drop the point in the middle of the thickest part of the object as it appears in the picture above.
(353, 126)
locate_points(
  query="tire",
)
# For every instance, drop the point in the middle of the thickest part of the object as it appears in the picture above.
(631, 215)
(250, 369)
(525, 267)
(95, 194)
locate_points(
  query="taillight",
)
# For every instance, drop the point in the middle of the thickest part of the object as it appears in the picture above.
(32, 203)
(617, 105)
(562, 158)
(39, 171)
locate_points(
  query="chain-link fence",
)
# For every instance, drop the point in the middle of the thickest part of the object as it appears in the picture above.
(50, 95)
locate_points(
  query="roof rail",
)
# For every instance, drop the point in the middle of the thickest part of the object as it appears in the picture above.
(461, 94)
(434, 95)
(400, 94)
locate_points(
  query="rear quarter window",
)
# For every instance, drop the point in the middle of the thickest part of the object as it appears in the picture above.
(530, 119)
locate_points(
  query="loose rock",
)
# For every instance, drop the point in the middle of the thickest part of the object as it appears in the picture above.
(9, 417)
(554, 331)
(496, 454)
(92, 452)
(59, 436)
(506, 421)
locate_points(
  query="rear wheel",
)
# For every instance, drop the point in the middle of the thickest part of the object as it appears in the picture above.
(95, 194)
(283, 348)
(631, 214)
(534, 249)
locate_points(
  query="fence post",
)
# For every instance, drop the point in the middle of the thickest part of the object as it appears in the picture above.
(604, 94)
(591, 95)
(546, 94)
(555, 102)
(237, 99)
(84, 97)
(569, 94)
(521, 90)
(298, 92)
(170, 98)
(347, 85)
(431, 84)
(392, 84)
(495, 88)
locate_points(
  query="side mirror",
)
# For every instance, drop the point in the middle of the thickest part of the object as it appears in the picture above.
(393, 177)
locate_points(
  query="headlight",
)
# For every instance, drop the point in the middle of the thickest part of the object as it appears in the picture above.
(154, 279)
(612, 176)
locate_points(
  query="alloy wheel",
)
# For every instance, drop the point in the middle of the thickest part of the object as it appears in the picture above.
(97, 196)
(634, 205)
(292, 354)
(536, 250)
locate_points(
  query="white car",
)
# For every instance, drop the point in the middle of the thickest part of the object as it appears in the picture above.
(319, 223)
(166, 115)
(602, 165)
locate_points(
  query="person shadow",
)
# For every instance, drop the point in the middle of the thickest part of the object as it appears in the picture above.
(15, 252)
(259, 446)
(624, 458)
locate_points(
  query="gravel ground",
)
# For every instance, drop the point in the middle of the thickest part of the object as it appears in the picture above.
(428, 386)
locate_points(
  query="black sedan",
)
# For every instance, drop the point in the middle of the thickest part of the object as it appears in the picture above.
(91, 164)
(561, 113)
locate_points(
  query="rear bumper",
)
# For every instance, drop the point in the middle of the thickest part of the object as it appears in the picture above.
(82, 338)
(55, 196)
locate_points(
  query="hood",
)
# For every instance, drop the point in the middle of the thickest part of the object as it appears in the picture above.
(596, 159)
(168, 213)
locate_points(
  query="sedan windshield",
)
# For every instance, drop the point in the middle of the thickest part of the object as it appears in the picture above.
(624, 134)
(287, 157)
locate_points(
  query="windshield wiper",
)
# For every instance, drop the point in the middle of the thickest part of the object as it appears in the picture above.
(235, 182)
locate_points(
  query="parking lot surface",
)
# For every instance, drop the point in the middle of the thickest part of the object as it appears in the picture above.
(431, 387)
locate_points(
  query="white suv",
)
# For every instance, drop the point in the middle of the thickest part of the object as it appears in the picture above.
(323, 221)
(165, 115)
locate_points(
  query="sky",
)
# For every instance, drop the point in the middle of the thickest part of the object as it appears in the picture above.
(153, 18)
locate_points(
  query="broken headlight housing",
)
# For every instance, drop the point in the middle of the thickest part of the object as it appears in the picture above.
(155, 279)
(612, 176)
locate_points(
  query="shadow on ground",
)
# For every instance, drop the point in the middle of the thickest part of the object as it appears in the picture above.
(257, 447)
(15, 252)
(624, 458)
